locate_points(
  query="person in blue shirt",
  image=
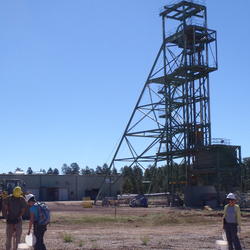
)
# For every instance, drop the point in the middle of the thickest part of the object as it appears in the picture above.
(38, 229)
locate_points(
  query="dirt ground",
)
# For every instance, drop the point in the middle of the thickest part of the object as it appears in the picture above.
(75, 227)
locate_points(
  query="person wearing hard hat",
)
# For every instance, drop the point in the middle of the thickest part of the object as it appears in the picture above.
(232, 222)
(15, 206)
(1, 201)
(36, 214)
(4, 196)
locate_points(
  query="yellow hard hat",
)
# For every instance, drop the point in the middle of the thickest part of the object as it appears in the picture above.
(17, 192)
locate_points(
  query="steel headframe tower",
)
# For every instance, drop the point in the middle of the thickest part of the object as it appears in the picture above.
(171, 119)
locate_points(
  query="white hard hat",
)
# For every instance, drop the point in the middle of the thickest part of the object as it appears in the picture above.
(28, 197)
(231, 196)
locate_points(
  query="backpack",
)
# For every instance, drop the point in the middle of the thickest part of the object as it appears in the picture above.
(43, 213)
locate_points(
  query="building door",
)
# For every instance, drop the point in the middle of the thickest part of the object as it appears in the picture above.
(63, 194)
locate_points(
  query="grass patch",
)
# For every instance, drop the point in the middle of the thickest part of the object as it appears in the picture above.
(94, 219)
(175, 218)
(81, 243)
(155, 219)
(67, 238)
(145, 240)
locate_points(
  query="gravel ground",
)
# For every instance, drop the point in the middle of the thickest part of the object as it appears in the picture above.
(132, 234)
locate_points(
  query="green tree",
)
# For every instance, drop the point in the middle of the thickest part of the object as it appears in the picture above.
(18, 170)
(56, 171)
(152, 174)
(29, 171)
(87, 171)
(105, 169)
(75, 169)
(66, 169)
(127, 182)
(114, 171)
(50, 171)
(137, 179)
(98, 170)
(127, 187)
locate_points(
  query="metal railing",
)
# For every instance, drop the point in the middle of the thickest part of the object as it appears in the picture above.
(220, 141)
(173, 2)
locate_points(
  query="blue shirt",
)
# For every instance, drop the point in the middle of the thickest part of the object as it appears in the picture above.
(34, 210)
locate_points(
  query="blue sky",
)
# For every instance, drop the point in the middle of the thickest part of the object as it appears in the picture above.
(71, 72)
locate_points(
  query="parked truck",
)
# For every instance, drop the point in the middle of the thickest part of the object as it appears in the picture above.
(139, 200)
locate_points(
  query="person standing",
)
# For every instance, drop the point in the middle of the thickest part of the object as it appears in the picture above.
(1, 203)
(38, 229)
(232, 222)
(4, 196)
(14, 206)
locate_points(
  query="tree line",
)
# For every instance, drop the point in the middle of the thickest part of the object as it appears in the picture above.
(71, 169)
(159, 179)
(135, 179)
(153, 179)
(74, 168)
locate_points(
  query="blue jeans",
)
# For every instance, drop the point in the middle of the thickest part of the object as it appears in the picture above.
(232, 237)
(39, 231)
